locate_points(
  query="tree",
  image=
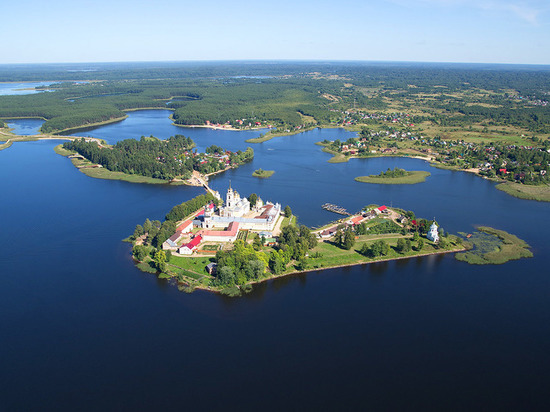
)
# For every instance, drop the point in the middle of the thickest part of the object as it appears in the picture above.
(302, 264)
(348, 240)
(276, 263)
(226, 276)
(147, 225)
(416, 236)
(138, 231)
(420, 244)
(253, 198)
(288, 211)
(139, 252)
(400, 245)
(257, 243)
(361, 229)
(160, 260)
(257, 268)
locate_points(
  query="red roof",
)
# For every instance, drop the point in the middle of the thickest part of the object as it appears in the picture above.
(382, 208)
(232, 230)
(356, 219)
(194, 243)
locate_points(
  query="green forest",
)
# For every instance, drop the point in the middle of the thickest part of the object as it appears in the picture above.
(160, 159)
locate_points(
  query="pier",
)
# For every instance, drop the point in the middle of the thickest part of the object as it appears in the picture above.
(335, 209)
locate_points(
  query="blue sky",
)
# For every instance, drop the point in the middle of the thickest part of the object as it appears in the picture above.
(482, 31)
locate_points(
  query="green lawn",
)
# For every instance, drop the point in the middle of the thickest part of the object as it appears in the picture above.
(191, 264)
(332, 255)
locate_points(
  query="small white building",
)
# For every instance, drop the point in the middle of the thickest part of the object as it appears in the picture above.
(433, 235)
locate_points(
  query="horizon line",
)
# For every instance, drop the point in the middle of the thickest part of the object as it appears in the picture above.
(271, 61)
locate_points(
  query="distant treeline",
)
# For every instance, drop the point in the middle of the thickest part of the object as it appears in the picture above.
(285, 95)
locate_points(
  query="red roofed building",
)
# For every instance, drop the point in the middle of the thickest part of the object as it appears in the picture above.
(355, 220)
(185, 227)
(380, 209)
(189, 247)
(228, 235)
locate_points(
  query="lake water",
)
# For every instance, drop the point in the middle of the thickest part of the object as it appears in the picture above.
(25, 127)
(21, 88)
(83, 329)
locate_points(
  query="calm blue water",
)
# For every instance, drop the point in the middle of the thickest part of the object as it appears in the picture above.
(25, 127)
(20, 88)
(83, 329)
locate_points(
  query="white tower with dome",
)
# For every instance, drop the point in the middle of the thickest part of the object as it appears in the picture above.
(433, 235)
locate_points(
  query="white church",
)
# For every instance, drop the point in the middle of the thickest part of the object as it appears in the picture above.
(237, 209)
(433, 235)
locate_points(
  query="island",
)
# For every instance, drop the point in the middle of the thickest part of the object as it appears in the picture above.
(229, 245)
(396, 176)
(263, 173)
(151, 160)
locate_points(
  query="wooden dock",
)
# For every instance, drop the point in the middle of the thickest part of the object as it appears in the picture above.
(335, 209)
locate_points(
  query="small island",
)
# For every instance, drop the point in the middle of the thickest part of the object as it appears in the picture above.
(263, 173)
(396, 176)
(490, 246)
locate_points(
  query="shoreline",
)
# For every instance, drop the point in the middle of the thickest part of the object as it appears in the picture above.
(296, 272)
(97, 124)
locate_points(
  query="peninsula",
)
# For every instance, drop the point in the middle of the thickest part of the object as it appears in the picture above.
(151, 160)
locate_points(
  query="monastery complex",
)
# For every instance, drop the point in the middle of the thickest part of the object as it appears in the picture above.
(223, 224)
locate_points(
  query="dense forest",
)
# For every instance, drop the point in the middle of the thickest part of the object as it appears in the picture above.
(290, 96)
(160, 159)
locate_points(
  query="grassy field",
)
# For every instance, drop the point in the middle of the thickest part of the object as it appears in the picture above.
(411, 178)
(494, 247)
(263, 173)
(540, 193)
(333, 256)
(195, 265)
